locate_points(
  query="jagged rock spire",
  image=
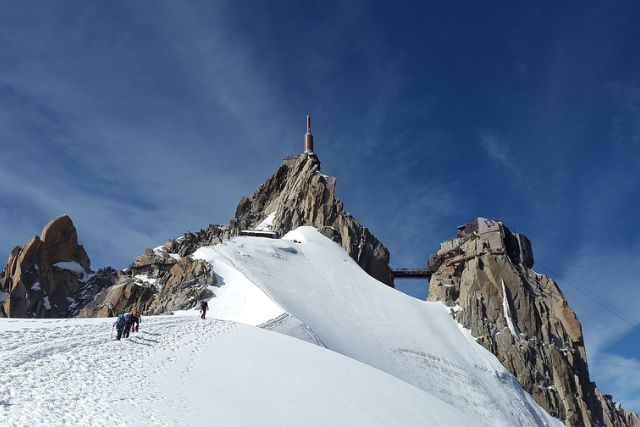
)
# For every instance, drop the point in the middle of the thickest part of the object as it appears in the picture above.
(298, 194)
(48, 276)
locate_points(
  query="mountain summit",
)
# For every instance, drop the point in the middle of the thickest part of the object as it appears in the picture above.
(299, 194)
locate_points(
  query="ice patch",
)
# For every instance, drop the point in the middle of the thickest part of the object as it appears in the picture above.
(71, 266)
(46, 303)
(507, 312)
(157, 283)
(267, 223)
(36, 287)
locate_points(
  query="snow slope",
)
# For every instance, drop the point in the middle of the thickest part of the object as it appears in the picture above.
(349, 312)
(333, 347)
(182, 371)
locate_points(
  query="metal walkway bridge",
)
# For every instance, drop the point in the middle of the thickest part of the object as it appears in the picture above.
(411, 273)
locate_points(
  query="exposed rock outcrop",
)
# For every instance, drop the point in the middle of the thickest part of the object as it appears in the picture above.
(50, 276)
(158, 282)
(298, 194)
(187, 283)
(522, 317)
(119, 298)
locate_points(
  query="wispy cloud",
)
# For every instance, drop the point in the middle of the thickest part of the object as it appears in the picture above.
(599, 284)
(131, 168)
(497, 149)
(622, 376)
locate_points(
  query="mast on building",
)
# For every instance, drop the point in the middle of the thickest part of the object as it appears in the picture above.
(308, 137)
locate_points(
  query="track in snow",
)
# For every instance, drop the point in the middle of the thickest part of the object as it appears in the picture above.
(88, 372)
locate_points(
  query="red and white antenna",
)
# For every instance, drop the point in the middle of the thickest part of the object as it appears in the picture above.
(308, 137)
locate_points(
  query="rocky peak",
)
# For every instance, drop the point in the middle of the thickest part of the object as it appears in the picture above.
(50, 275)
(299, 194)
(485, 274)
(60, 243)
(166, 279)
(159, 281)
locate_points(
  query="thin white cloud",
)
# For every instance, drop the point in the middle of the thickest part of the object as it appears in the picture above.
(497, 149)
(599, 286)
(132, 181)
(622, 376)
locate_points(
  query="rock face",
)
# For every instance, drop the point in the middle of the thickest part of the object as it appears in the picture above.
(166, 279)
(187, 283)
(50, 276)
(298, 194)
(119, 298)
(522, 317)
(158, 282)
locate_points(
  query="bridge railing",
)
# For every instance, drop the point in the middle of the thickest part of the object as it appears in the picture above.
(411, 273)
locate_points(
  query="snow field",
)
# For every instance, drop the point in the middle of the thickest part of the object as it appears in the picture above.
(74, 373)
(373, 356)
(253, 377)
(182, 371)
(349, 312)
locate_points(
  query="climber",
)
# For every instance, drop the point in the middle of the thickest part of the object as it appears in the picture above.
(203, 309)
(119, 325)
(127, 325)
(135, 319)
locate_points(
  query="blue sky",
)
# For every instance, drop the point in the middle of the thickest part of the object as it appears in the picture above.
(143, 120)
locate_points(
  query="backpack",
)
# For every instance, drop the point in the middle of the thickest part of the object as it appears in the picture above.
(121, 320)
(134, 312)
(127, 318)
